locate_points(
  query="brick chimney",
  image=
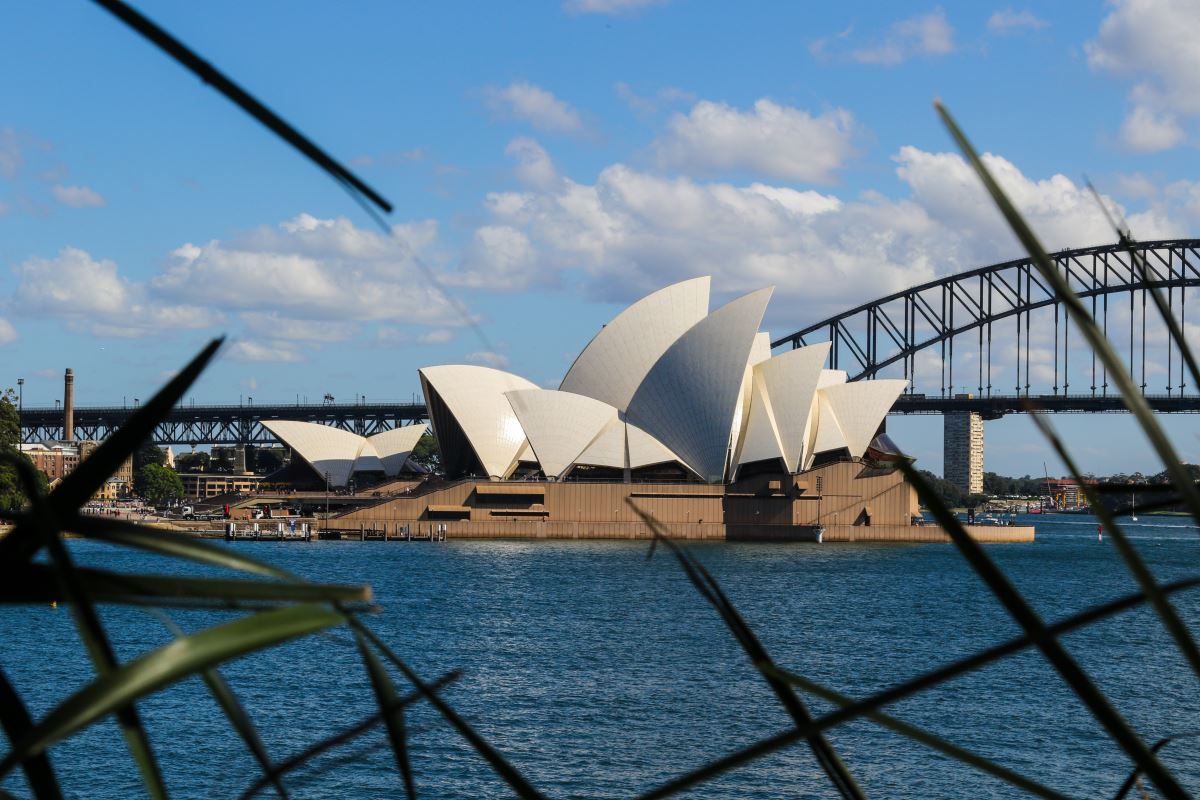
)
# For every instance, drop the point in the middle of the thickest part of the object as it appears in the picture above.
(69, 406)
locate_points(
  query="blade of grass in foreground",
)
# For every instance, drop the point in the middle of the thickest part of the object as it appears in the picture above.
(924, 737)
(499, 764)
(76, 488)
(167, 665)
(393, 713)
(234, 711)
(35, 584)
(94, 637)
(764, 747)
(828, 758)
(15, 720)
(1141, 573)
(1130, 394)
(1024, 615)
(340, 738)
(1159, 745)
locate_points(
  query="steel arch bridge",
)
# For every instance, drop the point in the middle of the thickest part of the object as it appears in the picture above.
(957, 319)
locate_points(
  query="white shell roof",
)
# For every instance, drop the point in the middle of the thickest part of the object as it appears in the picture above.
(329, 450)
(860, 407)
(761, 438)
(475, 396)
(828, 434)
(560, 425)
(645, 450)
(619, 357)
(393, 447)
(790, 380)
(608, 449)
(688, 398)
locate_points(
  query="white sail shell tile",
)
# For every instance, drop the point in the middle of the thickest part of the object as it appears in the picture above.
(615, 362)
(327, 449)
(688, 399)
(393, 447)
(475, 396)
(560, 425)
(790, 381)
(761, 438)
(607, 449)
(645, 450)
(826, 433)
(860, 408)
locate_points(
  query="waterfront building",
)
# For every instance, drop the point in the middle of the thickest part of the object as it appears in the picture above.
(57, 459)
(340, 459)
(202, 485)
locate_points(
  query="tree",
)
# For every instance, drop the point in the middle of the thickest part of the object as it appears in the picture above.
(148, 453)
(159, 484)
(192, 462)
(426, 453)
(13, 493)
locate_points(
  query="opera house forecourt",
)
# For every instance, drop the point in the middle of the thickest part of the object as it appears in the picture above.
(670, 409)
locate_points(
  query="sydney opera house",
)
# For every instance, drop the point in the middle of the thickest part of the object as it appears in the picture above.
(671, 408)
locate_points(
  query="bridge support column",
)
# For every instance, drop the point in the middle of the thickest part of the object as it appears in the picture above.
(962, 450)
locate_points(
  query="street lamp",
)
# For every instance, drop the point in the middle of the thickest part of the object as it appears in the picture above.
(326, 498)
(21, 408)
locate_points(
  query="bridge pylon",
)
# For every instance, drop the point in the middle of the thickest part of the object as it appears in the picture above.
(962, 449)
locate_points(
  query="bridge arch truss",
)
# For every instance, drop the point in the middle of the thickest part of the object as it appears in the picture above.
(969, 312)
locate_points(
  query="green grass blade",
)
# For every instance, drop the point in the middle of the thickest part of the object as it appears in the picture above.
(1136, 773)
(975, 661)
(167, 665)
(168, 543)
(95, 641)
(1141, 573)
(1131, 396)
(342, 737)
(35, 585)
(76, 488)
(1024, 615)
(15, 720)
(827, 757)
(234, 711)
(500, 765)
(393, 713)
(930, 740)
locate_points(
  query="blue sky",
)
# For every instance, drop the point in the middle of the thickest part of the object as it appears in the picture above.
(552, 162)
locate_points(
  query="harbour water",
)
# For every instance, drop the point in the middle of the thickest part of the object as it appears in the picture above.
(602, 674)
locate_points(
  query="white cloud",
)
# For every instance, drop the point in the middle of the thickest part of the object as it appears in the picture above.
(631, 232)
(1147, 131)
(535, 105)
(77, 196)
(94, 297)
(252, 351)
(8, 334)
(276, 326)
(1007, 21)
(313, 269)
(666, 96)
(607, 6)
(1152, 42)
(534, 166)
(488, 358)
(923, 35)
(771, 140)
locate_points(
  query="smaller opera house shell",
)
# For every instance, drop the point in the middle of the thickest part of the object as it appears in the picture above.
(670, 410)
